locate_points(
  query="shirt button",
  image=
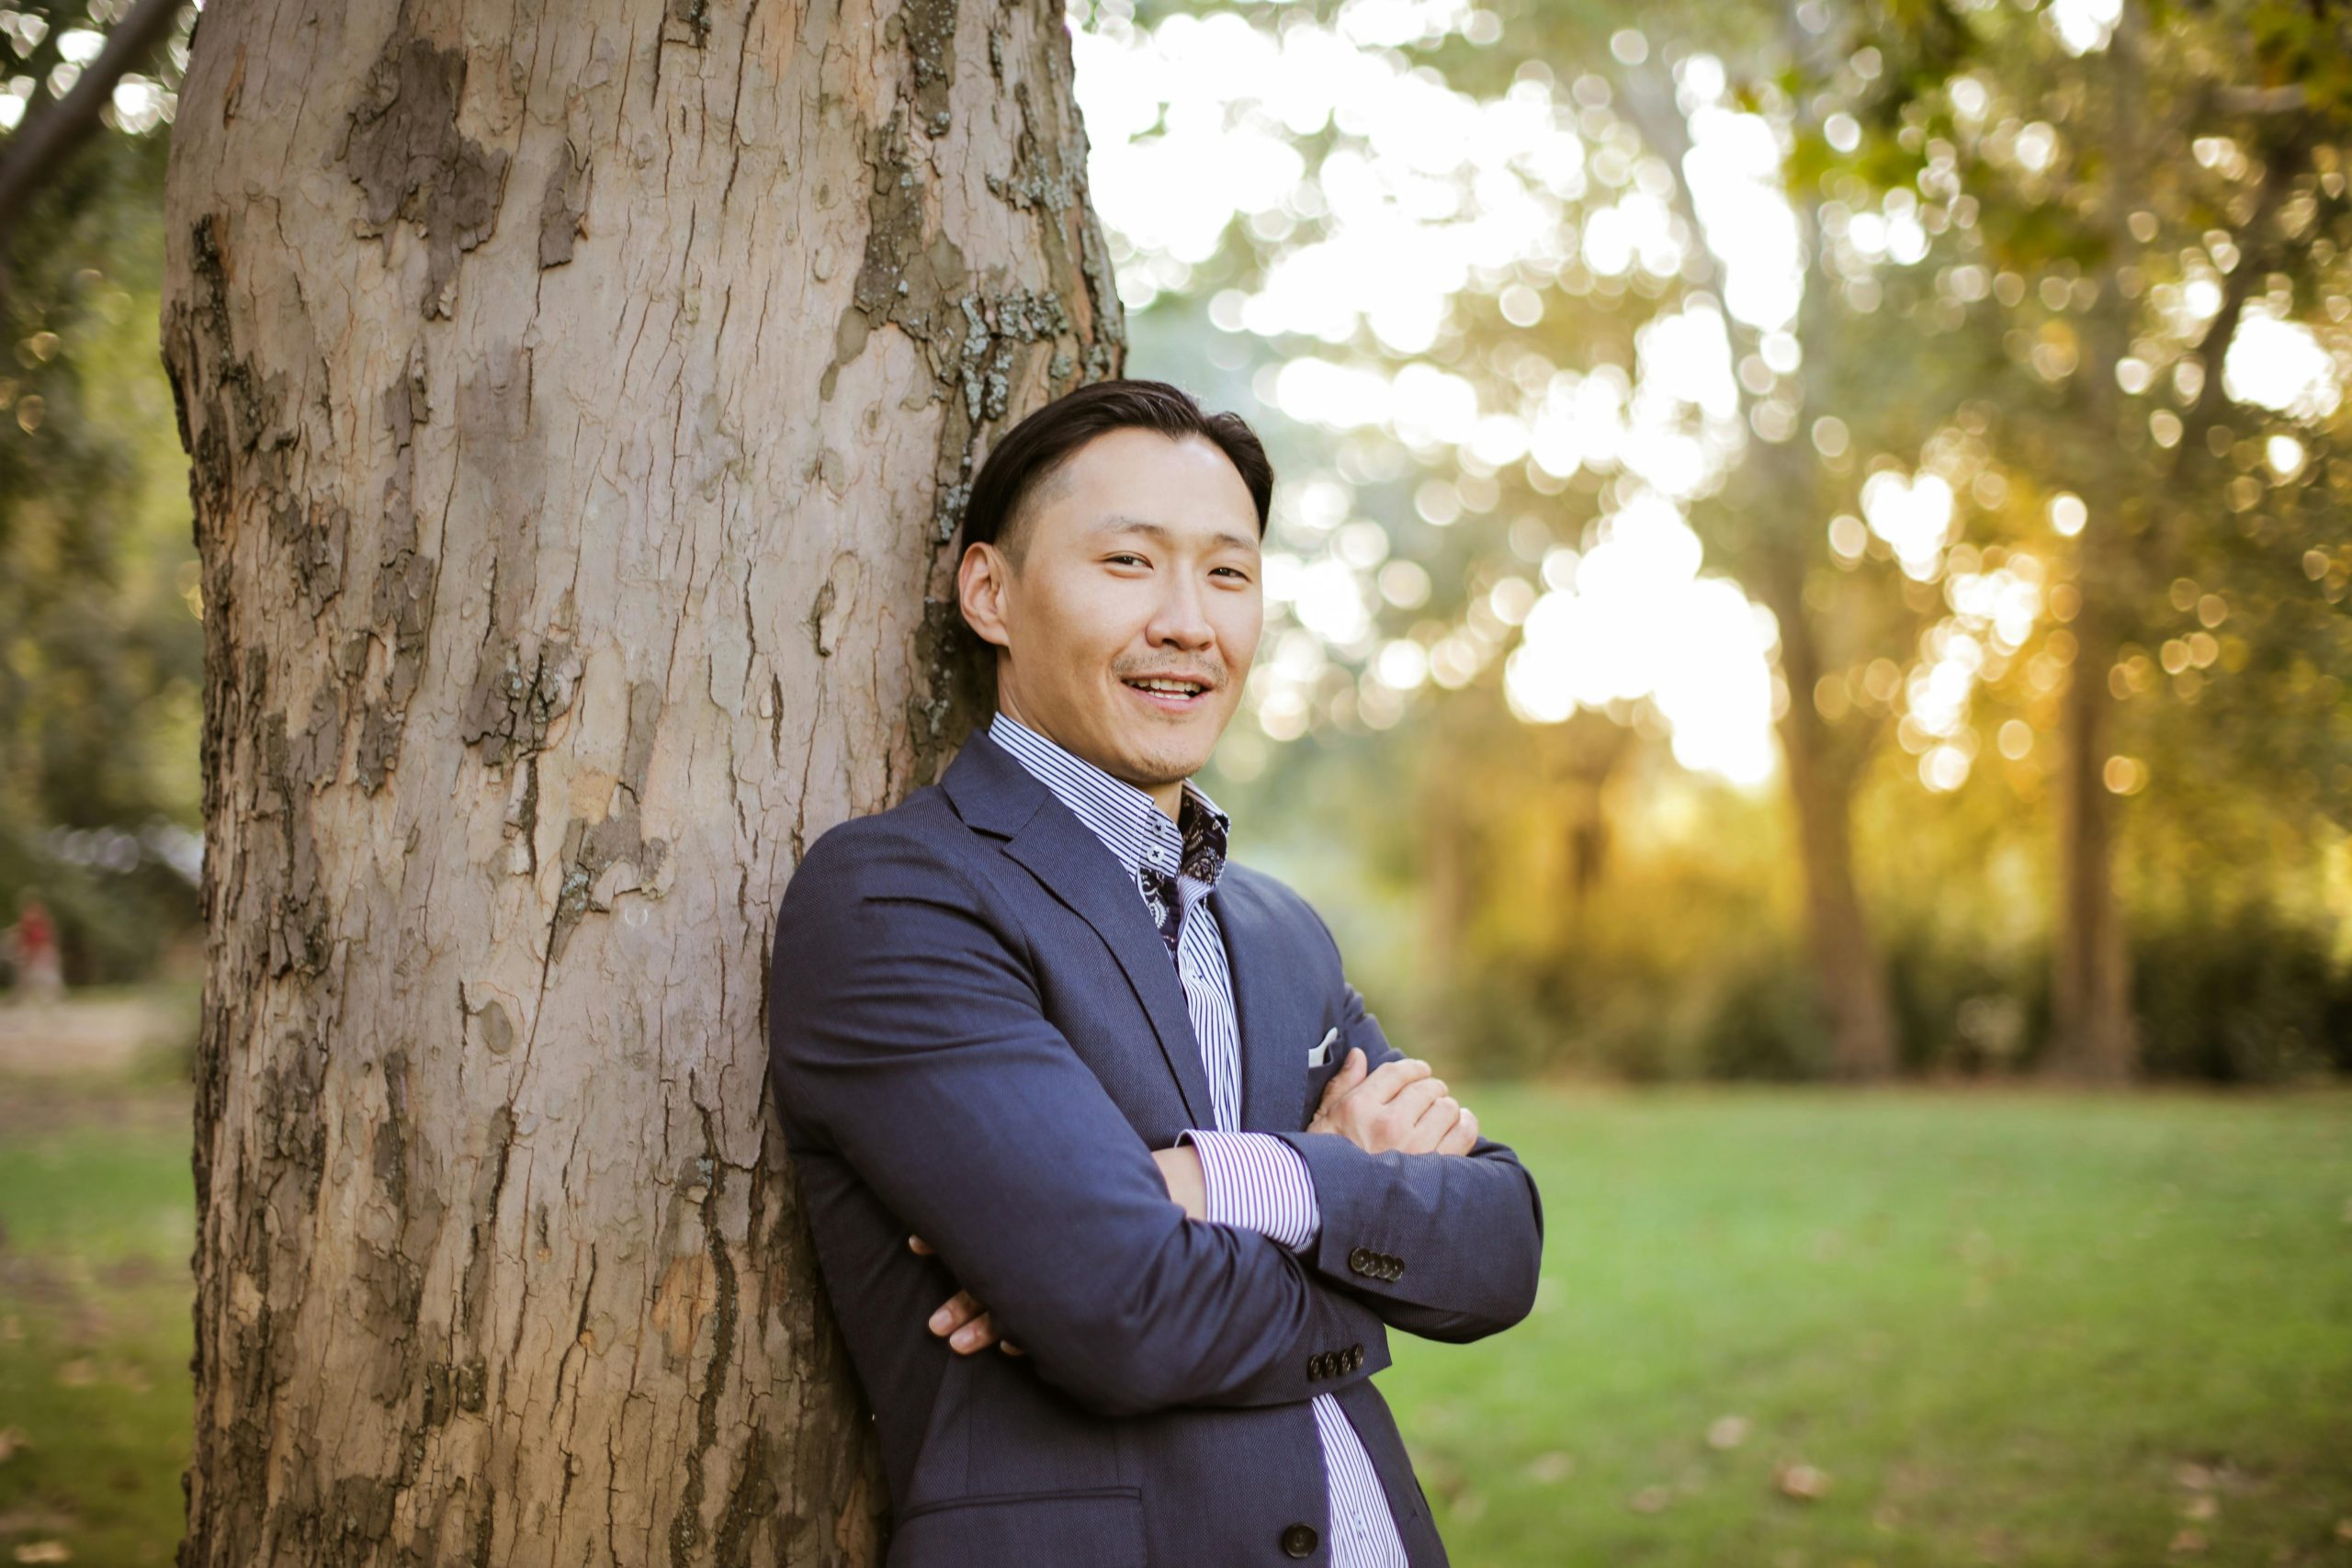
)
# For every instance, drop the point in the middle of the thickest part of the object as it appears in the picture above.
(1299, 1540)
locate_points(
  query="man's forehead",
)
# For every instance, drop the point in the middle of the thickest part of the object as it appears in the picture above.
(1129, 523)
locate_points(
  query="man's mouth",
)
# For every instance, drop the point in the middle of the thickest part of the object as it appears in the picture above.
(1169, 693)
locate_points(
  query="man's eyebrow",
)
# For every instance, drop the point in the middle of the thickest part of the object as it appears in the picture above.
(1119, 523)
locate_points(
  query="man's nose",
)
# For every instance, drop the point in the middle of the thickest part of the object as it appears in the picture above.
(1181, 616)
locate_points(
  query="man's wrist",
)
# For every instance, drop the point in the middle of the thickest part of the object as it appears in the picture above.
(1255, 1181)
(1180, 1169)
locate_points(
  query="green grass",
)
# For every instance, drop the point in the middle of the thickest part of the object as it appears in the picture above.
(96, 1225)
(2010, 1329)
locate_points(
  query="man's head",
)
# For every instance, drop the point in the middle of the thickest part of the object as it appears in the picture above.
(1111, 537)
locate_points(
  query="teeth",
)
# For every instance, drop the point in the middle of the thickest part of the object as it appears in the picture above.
(1181, 687)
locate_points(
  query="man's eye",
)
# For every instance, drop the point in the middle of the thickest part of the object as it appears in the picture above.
(1137, 560)
(1237, 572)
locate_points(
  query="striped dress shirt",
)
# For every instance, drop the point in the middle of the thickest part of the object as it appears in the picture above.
(1254, 1180)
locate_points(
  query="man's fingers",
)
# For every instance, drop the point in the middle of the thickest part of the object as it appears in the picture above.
(918, 1246)
(1464, 1137)
(1434, 1125)
(1343, 1082)
(955, 1312)
(1386, 1082)
(1411, 1101)
(976, 1335)
(1010, 1349)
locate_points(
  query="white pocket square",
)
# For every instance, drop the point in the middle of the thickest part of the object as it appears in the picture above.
(1322, 1052)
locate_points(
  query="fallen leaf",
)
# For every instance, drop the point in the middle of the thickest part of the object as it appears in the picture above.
(2189, 1541)
(79, 1372)
(2193, 1476)
(2344, 1530)
(11, 1439)
(1551, 1468)
(1801, 1480)
(44, 1552)
(1648, 1500)
(1728, 1432)
(2204, 1505)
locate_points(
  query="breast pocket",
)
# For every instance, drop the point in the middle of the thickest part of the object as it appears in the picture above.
(1097, 1528)
(1317, 1077)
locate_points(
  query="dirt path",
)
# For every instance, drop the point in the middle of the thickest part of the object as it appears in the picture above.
(76, 1036)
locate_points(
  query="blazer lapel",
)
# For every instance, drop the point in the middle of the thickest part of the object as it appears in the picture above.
(995, 793)
(1273, 1067)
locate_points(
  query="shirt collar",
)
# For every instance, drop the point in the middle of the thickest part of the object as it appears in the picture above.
(1127, 821)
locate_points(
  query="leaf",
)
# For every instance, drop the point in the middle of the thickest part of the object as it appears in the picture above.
(1551, 1468)
(1804, 1481)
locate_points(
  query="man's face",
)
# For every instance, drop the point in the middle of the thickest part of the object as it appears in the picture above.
(1140, 560)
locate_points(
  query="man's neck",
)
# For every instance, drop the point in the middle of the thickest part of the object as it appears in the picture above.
(1168, 797)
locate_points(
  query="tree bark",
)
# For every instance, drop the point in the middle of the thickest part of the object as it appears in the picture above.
(555, 598)
(2094, 1035)
(1849, 977)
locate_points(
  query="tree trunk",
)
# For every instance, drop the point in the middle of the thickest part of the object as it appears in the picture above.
(2094, 1036)
(1849, 978)
(554, 601)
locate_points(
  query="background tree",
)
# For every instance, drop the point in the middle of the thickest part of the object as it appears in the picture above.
(580, 402)
(99, 655)
(1545, 291)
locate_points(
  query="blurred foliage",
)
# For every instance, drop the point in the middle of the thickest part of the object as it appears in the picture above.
(2090, 212)
(101, 651)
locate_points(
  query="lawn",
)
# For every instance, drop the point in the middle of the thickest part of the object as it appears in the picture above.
(1994, 1328)
(1777, 1328)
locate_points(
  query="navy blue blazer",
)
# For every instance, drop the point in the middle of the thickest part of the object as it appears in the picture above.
(975, 1036)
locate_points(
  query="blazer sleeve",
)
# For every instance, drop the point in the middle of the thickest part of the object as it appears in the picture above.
(906, 1032)
(1446, 1247)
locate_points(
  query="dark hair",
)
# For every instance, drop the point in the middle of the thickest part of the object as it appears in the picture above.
(1018, 466)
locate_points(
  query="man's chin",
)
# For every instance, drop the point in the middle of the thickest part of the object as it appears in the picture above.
(1151, 766)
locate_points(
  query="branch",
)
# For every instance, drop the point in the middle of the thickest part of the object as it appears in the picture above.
(2261, 100)
(41, 148)
(2259, 250)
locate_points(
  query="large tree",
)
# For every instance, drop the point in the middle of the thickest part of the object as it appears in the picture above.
(580, 399)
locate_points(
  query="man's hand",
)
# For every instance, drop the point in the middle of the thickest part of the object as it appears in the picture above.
(965, 1324)
(1400, 1106)
(961, 1320)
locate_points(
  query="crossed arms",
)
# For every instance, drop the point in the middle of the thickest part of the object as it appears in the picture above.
(906, 1034)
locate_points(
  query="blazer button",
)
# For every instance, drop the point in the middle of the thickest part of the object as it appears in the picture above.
(1315, 1367)
(1361, 1260)
(1299, 1540)
(1395, 1265)
(1355, 1357)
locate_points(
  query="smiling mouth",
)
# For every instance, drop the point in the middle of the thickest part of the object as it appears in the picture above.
(1168, 695)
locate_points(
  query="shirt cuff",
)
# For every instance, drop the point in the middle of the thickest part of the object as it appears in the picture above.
(1257, 1182)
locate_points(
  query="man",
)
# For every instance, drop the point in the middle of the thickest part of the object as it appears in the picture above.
(1043, 1051)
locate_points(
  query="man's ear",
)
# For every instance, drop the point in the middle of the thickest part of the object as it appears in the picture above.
(982, 578)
